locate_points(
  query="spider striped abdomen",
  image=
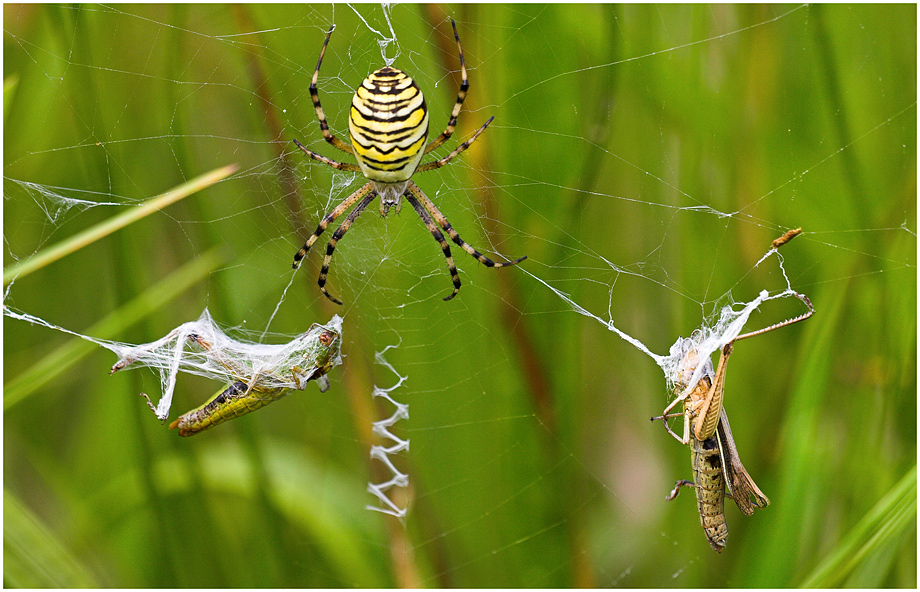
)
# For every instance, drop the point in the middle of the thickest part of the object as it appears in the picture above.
(388, 125)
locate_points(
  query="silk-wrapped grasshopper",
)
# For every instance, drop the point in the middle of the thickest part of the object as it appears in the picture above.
(714, 457)
(261, 374)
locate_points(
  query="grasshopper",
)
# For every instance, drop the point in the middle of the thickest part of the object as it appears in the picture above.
(318, 351)
(714, 457)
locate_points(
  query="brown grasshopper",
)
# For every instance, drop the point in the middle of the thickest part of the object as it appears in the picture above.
(714, 457)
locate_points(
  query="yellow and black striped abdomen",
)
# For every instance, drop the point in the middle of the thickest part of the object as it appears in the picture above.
(388, 125)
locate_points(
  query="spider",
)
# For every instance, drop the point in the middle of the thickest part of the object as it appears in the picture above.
(388, 125)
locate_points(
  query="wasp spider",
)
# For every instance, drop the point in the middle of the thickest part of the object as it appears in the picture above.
(388, 125)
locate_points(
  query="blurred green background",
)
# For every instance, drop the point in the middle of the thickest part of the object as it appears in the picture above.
(643, 157)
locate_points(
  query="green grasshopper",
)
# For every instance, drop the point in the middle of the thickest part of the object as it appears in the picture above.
(317, 352)
(714, 457)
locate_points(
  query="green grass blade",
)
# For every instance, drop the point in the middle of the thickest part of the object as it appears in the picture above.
(323, 505)
(59, 360)
(884, 524)
(90, 235)
(9, 91)
(33, 556)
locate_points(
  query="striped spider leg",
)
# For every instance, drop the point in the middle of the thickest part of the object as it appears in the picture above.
(388, 128)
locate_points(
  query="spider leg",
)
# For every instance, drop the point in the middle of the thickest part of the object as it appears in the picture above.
(338, 234)
(464, 86)
(329, 219)
(314, 94)
(436, 164)
(342, 166)
(423, 214)
(442, 221)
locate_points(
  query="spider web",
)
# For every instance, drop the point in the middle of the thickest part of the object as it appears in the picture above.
(643, 220)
